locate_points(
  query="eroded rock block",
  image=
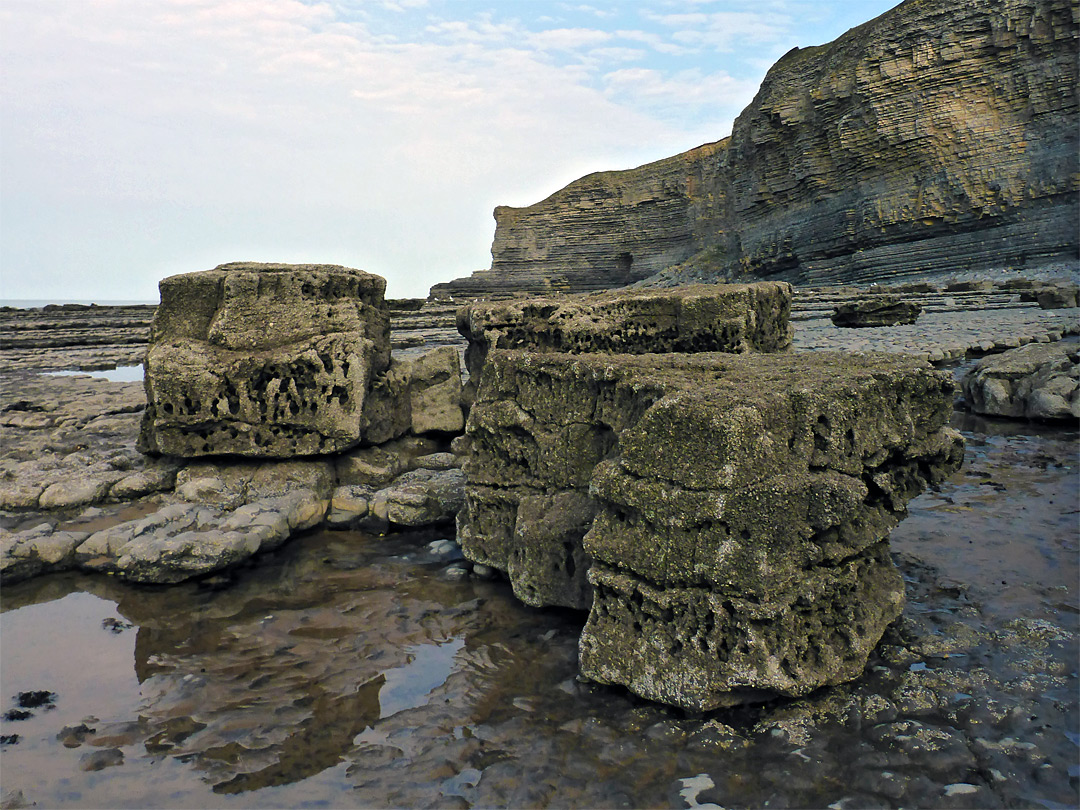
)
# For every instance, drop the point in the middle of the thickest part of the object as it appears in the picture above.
(876, 310)
(265, 360)
(419, 395)
(538, 429)
(1037, 381)
(703, 318)
(751, 494)
(700, 648)
(1053, 296)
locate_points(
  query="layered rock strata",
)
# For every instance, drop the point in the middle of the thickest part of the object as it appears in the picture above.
(938, 137)
(263, 360)
(702, 318)
(738, 508)
(1037, 381)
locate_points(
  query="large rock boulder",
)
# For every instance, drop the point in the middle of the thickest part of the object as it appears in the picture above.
(1037, 381)
(702, 318)
(742, 507)
(267, 360)
(876, 310)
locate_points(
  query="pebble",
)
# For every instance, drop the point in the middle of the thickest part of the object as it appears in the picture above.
(455, 573)
(442, 547)
(960, 789)
(99, 760)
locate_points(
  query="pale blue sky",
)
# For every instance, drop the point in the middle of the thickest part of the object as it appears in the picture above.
(142, 138)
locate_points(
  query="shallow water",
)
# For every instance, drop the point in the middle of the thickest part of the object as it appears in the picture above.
(348, 670)
(118, 374)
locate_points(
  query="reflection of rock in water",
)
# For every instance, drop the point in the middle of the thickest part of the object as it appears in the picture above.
(320, 741)
(281, 675)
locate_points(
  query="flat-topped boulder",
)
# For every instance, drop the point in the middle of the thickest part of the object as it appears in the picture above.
(701, 318)
(270, 360)
(723, 517)
(876, 310)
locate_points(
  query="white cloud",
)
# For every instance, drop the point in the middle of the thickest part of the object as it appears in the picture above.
(268, 127)
(727, 30)
(712, 100)
(146, 137)
(596, 12)
(568, 39)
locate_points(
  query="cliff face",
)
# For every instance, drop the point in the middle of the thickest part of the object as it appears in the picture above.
(608, 229)
(940, 136)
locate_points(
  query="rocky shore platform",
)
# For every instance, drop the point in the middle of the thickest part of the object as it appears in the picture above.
(967, 700)
(963, 318)
(70, 466)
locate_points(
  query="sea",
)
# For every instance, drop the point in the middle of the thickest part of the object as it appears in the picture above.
(37, 303)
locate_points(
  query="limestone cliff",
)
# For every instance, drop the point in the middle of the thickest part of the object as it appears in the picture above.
(940, 136)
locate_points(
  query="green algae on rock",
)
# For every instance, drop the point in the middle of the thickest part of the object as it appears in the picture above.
(263, 360)
(743, 503)
(700, 318)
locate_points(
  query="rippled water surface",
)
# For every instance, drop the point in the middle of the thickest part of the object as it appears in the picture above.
(348, 670)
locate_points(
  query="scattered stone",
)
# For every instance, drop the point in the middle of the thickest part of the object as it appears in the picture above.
(74, 736)
(370, 466)
(455, 573)
(960, 789)
(34, 551)
(266, 360)
(181, 541)
(421, 394)
(438, 461)
(115, 625)
(1037, 381)
(876, 310)
(349, 504)
(421, 498)
(100, 760)
(1053, 296)
(18, 714)
(36, 699)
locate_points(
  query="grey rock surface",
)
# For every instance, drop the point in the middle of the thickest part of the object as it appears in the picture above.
(1037, 381)
(70, 442)
(835, 172)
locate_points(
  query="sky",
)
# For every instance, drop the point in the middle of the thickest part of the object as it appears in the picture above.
(144, 138)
